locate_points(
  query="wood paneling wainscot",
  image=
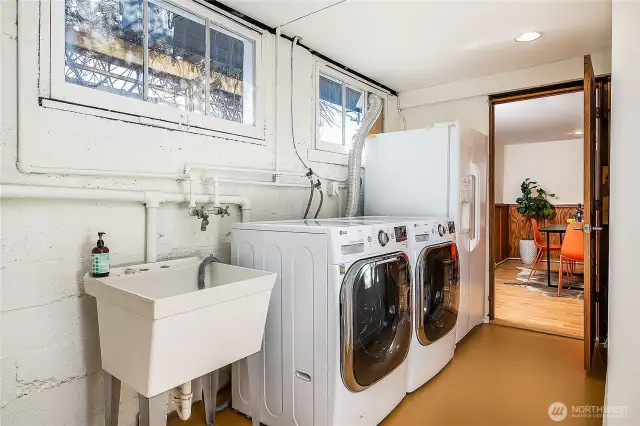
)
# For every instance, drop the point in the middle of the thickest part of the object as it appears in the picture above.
(520, 227)
(501, 232)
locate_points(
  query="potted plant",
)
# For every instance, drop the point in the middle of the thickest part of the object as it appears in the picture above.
(532, 206)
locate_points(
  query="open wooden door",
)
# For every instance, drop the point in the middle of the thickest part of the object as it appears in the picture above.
(594, 110)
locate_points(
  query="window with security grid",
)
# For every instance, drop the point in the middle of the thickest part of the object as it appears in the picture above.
(177, 61)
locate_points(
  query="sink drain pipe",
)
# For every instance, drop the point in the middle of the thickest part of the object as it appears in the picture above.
(184, 401)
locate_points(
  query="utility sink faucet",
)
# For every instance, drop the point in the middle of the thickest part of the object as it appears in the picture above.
(203, 213)
(203, 268)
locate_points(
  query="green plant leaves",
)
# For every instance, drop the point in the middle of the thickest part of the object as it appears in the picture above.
(534, 206)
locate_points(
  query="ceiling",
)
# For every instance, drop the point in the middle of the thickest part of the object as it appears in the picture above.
(411, 44)
(551, 118)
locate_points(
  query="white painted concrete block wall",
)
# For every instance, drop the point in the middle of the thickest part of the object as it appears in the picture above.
(50, 350)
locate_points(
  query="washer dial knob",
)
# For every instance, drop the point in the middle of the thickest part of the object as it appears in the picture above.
(441, 230)
(383, 238)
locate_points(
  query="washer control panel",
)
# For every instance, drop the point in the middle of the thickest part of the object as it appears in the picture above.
(371, 239)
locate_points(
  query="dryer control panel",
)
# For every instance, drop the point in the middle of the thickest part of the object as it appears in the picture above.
(434, 231)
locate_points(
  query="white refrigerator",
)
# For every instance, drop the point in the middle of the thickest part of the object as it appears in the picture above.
(438, 171)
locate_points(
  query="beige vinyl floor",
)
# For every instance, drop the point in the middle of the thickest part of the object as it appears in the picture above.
(499, 376)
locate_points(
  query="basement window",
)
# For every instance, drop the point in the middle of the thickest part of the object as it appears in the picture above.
(341, 105)
(175, 61)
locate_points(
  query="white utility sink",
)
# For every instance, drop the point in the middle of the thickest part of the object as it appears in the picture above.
(158, 330)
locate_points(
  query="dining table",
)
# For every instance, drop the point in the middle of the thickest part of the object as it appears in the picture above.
(558, 228)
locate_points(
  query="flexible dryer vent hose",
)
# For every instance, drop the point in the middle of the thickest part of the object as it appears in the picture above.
(355, 155)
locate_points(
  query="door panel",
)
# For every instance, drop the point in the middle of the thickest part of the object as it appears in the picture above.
(589, 207)
(437, 292)
(375, 324)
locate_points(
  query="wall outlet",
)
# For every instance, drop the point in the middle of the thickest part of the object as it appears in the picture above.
(332, 188)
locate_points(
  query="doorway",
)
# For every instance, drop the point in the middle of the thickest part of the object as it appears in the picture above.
(558, 137)
(539, 162)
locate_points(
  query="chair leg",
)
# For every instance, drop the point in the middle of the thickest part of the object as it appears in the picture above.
(540, 257)
(535, 264)
(560, 277)
(571, 269)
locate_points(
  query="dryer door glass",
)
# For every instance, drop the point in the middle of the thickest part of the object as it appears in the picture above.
(437, 292)
(376, 328)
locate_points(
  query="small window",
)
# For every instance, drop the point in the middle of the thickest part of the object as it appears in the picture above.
(177, 56)
(340, 109)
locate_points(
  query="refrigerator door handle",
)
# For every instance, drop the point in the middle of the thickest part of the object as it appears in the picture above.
(474, 235)
(466, 194)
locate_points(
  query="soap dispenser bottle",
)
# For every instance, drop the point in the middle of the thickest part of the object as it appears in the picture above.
(100, 258)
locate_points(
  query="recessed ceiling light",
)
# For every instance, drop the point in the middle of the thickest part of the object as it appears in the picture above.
(578, 132)
(530, 36)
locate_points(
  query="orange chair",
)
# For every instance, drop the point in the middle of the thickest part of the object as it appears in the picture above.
(572, 251)
(541, 245)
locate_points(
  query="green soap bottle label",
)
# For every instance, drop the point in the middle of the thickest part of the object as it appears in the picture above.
(100, 263)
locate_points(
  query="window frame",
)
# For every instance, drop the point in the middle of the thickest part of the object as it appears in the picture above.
(59, 89)
(328, 72)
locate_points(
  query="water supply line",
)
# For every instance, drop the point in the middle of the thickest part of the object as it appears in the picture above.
(320, 204)
(355, 154)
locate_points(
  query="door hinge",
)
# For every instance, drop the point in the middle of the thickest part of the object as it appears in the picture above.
(586, 228)
(598, 112)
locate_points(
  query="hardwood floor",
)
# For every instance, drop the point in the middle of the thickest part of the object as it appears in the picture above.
(519, 307)
(499, 376)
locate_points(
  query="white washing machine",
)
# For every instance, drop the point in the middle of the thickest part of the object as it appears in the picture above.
(435, 292)
(338, 328)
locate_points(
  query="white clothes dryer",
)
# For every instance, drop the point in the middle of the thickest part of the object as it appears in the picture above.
(338, 328)
(435, 294)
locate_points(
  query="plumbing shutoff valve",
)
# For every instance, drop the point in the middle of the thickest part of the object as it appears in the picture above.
(203, 214)
(219, 211)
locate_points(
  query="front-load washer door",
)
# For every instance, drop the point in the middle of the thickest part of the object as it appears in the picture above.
(437, 292)
(375, 322)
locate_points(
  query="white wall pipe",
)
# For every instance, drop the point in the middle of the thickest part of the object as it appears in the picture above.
(184, 401)
(86, 194)
(207, 179)
(189, 167)
(276, 101)
(31, 169)
(134, 196)
(52, 192)
(47, 170)
(152, 208)
(216, 191)
(192, 200)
